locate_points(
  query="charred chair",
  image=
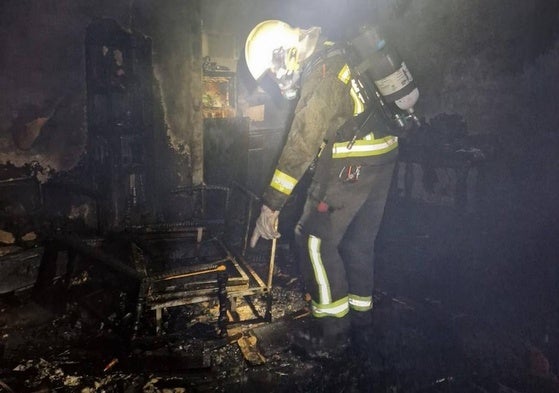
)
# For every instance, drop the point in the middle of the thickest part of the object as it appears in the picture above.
(187, 262)
(201, 259)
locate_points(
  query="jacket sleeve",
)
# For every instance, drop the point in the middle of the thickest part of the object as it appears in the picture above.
(324, 105)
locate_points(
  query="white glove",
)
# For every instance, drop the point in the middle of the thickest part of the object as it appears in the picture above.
(266, 225)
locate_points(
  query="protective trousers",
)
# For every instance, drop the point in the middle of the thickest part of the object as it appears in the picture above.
(336, 242)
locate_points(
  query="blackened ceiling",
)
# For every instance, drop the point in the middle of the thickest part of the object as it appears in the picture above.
(490, 62)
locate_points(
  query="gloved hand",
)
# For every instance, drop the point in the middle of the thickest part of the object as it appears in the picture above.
(266, 225)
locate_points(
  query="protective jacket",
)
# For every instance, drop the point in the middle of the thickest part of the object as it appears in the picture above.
(347, 195)
(327, 100)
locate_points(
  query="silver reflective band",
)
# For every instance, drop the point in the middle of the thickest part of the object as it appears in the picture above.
(319, 272)
(360, 303)
(363, 148)
(327, 310)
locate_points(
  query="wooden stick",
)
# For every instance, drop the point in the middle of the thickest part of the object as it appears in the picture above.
(272, 261)
(220, 268)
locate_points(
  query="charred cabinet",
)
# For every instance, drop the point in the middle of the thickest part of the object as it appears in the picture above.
(225, 150)
(120, 122)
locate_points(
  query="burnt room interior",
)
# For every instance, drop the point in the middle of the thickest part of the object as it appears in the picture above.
(134, 149)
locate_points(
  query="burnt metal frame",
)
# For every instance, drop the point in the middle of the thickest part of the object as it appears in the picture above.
(198, 291)
(74, 245)
(461, 161)
(238, 260)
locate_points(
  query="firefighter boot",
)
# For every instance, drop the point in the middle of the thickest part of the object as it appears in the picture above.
(325, 337)
(361, 333)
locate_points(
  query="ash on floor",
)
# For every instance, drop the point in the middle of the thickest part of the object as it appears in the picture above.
(416, 344)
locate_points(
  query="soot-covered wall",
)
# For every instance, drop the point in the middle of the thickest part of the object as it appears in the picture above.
(493, 63)
(43, 76)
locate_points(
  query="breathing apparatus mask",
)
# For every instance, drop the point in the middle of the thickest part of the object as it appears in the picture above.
(285, 71)
(275, 48)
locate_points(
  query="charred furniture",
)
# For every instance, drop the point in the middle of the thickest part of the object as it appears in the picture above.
(160, 266)
(122, 136)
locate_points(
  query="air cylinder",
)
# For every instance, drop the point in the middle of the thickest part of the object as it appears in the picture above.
(384, 66)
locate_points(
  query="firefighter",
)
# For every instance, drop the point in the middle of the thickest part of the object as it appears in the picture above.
(350, 182)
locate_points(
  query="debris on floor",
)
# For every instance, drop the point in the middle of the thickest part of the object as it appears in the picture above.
(81, 335)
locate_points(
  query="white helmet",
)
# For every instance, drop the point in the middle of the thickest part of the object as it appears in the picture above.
(276, 46)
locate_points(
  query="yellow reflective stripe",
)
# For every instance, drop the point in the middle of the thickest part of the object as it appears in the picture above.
(356, 93)
(283, 182)
(338, 308)
(319, 271)
(345, 74)
(360, 303)
(358, 105)
(365, 148)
